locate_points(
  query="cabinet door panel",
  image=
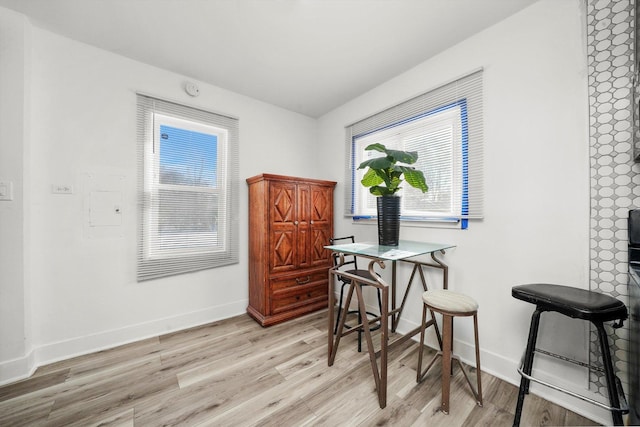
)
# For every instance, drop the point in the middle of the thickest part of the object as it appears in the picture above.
(282, 197)
(320, 238)
(304, 204)
(321, 204)
(321, 224)
(283, 246)
(303, 250)
(303, 223)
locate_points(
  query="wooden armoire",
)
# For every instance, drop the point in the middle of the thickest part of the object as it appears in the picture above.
(290, 222)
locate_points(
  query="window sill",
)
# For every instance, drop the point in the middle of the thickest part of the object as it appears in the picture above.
(454, 224)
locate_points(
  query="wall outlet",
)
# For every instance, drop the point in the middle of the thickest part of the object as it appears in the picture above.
(6, 190)
(62, 189)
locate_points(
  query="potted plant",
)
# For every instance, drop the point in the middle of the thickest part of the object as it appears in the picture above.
(384, 177)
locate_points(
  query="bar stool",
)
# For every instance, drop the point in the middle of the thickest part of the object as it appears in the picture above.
(352, 260)
(579, 304)
(449, 304)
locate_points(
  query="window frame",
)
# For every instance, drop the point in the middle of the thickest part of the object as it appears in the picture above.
(466, 92)
(451, 115)
(154, 185)
(153, 260)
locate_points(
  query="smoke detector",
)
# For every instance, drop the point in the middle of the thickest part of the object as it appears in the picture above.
(192, 89)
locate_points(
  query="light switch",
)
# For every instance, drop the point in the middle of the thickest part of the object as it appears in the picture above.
(62, 189)
(6, 190)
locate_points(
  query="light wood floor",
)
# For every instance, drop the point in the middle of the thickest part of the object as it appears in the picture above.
(236, 373)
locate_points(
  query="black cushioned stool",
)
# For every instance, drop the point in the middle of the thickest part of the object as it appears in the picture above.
(576, 303)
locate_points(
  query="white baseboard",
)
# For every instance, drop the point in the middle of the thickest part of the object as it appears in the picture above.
(18, 369)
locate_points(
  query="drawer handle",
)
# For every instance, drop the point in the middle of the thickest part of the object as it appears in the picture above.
(302, 282)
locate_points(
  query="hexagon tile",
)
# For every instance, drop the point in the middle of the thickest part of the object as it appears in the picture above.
(614, 175)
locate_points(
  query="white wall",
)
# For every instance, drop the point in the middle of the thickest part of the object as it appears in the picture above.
(15, 334)
(536, 224)
(82, 128)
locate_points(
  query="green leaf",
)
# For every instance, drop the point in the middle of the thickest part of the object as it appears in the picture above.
(415, 178)
(385, 170)
(408, 157)
(376, 163)
(394, 183)
(380, 191)
(371, 178)
(376, 147)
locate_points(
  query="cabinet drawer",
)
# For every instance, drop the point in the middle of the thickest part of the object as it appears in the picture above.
(285, 301)
(301, 279)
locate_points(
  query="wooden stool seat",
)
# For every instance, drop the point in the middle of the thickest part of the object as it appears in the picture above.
(449, 304)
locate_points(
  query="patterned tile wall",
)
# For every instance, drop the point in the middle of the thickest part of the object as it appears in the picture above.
(615, 178)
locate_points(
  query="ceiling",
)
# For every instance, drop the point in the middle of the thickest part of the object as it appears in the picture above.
(308, 56)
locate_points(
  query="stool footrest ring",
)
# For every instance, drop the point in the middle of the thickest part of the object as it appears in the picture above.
(375, 318)
(570, 360)
(624, 406)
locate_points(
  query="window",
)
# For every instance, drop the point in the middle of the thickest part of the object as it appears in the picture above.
(445, 127)
(188, 189)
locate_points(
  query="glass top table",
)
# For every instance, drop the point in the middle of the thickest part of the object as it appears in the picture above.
(405, 249)
(379, 254)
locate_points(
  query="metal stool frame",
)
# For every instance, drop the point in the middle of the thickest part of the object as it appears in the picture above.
(446, 347)
(594, 312)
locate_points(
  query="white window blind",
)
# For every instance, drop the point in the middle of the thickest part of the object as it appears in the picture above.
(188, 189)
(445, 127)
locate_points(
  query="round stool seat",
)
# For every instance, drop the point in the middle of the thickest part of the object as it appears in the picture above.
(450, 305)
(450, 302)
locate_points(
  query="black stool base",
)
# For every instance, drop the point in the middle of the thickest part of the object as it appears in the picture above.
(575, 303)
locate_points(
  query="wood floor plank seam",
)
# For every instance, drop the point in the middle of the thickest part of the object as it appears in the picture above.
(233, 372)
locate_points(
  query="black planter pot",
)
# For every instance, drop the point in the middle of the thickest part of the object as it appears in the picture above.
(388, 220)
